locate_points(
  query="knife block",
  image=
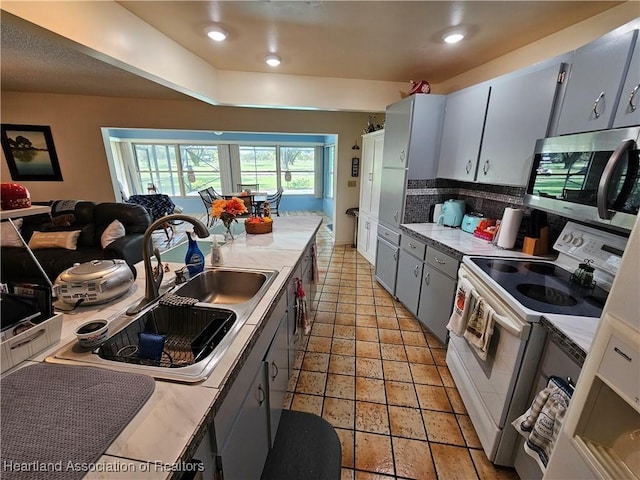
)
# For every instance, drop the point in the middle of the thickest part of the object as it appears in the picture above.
(537, 246)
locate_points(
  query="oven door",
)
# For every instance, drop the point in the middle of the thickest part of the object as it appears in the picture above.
(487, 386)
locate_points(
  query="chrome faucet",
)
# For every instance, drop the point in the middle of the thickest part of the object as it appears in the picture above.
(152, 282)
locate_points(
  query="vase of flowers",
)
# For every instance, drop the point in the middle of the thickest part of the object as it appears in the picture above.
(227, 211)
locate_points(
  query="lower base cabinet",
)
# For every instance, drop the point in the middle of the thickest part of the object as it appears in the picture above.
(387, 265)
(436, 300)
(277, 367)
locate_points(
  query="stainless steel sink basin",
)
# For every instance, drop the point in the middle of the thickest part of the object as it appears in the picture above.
(224, 286)
(194, 337)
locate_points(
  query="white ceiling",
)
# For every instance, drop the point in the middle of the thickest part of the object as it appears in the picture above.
(387, 41)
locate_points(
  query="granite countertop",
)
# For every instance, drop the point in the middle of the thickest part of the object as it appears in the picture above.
(573, 332)
(169, 426)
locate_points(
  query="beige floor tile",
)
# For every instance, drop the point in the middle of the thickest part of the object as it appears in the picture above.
(387, 301)
(339, 412)
(366, 321)
(345, 298)
(456, 400)
(288, 399)
(385, 311)
(360, 475)
(329, 297)
(347, 288)
(432, 397)
(372, 417)
(373, 453)
(317, 362)
(419, 355)
(347, 442)
(402, 312)
(326, 306)
(468, 431)
(331, 289)
(342, 346)
(414, 338)
(312, 383)
(425, 374)
(307, 403)
(370, 390)
(342, 364)
(396, 371)
(433, 342)
(346, 317)
(452, 462)
(406, 422)
(390, 336)
(293, 380)
(366, 334)
(488, 471)
(369, 367)
(347, 474)
(340, 386)
(409, 324)
(322, 329)
(401, 393)
(365, 309)
(442, 427)
(393, 352)
(344, 331)
(447, 379)
(413, 459)
(325, 317)
(319, 344)
(439, 356)
(388, 323)
(364, 299)
(367, 349)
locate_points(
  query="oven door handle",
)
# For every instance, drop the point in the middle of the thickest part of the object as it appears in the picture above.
(502, 320)
(607, 178)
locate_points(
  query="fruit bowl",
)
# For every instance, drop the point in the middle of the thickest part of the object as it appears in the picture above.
(257, 225)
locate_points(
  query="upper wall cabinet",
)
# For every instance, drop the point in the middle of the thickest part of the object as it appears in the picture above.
(595, 83)
(628, 113)
(462, 132)
(518, 114)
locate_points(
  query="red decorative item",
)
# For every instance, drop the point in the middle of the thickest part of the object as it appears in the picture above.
(14, 195)
(419, 87)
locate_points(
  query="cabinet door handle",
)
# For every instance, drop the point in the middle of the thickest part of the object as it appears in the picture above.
(261, 395)
(395, 215)
(28, 340)
(595, 105)
(402, 155)
(486, 166)
(395, 255)
(468, 166)
(274, 370)
(441, 262)
(427, 278)
(415, 271)
(412, 245)
(633, 107)
(371, 177)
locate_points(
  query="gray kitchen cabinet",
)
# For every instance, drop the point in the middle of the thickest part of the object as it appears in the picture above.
(392, 197)
(436, 301)
(408, 280)
(595, 83)
(464, 116)
(628, 113)
(386, 264)
(518, 114)
(277, 366)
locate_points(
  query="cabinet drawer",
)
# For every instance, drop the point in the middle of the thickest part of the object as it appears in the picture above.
(389, 235)
(443, 262)
(413, 246)
(620, 367)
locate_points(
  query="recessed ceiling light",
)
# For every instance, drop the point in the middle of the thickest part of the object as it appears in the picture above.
(216, 33)
(453, 37)
(272, 60)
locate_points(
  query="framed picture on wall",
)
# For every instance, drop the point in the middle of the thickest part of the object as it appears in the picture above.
(30, 152)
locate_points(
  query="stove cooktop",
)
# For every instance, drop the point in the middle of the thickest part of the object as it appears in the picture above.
(544, 287)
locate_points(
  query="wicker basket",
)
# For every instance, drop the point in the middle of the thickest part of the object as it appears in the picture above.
(255, 228)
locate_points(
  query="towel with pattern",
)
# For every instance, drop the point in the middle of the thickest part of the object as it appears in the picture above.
(461, 308)
(541, 423)
(480, 327)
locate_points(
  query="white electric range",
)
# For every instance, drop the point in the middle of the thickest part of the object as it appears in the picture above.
(495, 391)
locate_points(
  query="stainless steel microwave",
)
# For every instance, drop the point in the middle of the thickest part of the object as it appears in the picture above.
(590, 177)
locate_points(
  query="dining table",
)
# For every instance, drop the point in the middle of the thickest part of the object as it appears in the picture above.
(255, 200)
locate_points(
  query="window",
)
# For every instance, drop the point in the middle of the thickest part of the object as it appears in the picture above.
(200, 168)
(297, 165)
(258, 165)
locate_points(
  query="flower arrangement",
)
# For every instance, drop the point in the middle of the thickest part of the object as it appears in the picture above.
(227, 211)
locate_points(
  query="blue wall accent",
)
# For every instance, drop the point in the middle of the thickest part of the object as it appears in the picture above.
(328, 206)
(209, 136)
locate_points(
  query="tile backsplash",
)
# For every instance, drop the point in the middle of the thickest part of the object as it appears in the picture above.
(491, 200)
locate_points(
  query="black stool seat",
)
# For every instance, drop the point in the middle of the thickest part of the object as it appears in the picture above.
(306, 448)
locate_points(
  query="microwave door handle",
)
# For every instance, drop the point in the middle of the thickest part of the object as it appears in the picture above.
(607, 177)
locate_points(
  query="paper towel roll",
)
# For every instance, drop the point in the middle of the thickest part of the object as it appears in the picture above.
(509, 227)
(437, 211)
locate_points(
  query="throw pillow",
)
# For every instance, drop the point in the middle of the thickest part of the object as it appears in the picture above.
(66, 240)
(114, 231)
(8, 236)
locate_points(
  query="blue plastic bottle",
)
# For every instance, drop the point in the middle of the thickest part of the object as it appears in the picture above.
(194, 258)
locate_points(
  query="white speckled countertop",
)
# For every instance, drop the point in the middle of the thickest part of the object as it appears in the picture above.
(172, 419)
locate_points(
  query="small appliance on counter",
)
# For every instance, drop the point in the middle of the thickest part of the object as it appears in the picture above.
(507, 231)
(471, 221)
(94, 282)
(452, 213)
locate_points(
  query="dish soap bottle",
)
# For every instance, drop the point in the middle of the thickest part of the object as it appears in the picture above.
(194, 258)
(216, 253)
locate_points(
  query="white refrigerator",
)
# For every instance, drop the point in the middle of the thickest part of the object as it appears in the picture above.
(600, 435)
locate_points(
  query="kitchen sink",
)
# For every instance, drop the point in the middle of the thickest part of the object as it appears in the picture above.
(179, 341)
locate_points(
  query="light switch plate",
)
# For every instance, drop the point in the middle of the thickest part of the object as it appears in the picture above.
(351, 183)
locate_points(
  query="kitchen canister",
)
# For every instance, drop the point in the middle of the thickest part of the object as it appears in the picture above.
(437, 211)
(506, 236)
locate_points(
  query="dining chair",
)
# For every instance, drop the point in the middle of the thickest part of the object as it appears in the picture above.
(213, 194)
(274, 201)
(207, 200)
(254, 187)
(158, 205)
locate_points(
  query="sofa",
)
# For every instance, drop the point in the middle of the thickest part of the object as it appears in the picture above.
(91, 220)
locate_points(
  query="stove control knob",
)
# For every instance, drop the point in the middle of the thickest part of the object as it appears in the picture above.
(567, 237)
(578, 241)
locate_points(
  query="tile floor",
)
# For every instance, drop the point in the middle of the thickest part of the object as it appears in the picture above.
(371, 371)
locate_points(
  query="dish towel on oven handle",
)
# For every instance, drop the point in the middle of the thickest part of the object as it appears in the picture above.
(540, 424)
(461, 308)
(480, 327)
